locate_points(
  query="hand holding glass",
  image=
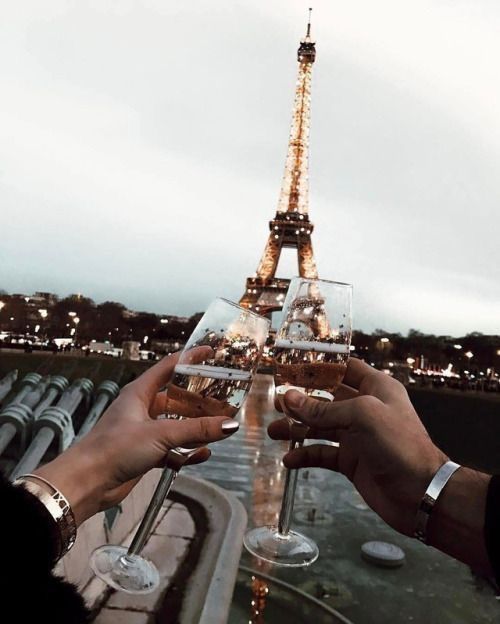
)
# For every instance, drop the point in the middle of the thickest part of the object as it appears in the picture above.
(311, 350)
(233, 339)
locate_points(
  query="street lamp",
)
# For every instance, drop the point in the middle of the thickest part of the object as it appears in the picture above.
(2, 305)
(76, 320)
(383, 342)
(43, 314)
(469, 355)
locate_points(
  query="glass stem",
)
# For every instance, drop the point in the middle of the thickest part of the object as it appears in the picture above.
(162, 489)
(288, 494)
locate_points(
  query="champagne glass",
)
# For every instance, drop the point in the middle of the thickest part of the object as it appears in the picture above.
(310, 354)
(216, 386)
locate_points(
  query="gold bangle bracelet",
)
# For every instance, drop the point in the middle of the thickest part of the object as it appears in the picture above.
(57, 505)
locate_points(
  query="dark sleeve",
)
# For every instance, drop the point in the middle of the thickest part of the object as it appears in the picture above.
(29, 590)
(492, 525)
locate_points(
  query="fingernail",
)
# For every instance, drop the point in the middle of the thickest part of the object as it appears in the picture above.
(295, 400)
(230, 426)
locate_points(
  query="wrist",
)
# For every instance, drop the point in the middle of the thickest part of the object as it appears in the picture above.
(456, 523)
(434, 490)
(75, 475)
(57, 506)
(417, 479)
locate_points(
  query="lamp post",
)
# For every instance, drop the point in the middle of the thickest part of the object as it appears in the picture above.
(76, 320)
(43, 315)
(383, 342)
(73, 330)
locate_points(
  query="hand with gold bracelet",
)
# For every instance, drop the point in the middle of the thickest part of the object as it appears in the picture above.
(45, 508)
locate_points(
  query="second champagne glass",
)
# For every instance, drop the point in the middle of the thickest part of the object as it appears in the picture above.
(216, 386)
(311, 350)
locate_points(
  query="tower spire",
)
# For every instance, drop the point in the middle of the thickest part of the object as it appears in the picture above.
(291, 226)
(308, 34)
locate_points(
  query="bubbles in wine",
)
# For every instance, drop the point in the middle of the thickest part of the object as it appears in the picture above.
(204, 390)
(312, 345)
(310, 365)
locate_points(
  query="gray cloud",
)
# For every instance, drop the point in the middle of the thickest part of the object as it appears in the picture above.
(142, 147)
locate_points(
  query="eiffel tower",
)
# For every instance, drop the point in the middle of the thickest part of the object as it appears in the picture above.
(290, 227)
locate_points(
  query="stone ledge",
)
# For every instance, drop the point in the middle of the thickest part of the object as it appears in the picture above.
(209, 588)
(117, 616)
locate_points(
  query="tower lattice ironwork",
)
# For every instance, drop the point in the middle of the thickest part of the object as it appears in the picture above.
(290, 227)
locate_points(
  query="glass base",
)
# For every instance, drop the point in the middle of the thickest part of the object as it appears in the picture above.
(293, 550)
(128, 573)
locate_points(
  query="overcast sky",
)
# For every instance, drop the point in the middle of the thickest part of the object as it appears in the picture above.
(142, 146)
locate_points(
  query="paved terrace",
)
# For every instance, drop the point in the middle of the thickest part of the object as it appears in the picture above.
(429, 587)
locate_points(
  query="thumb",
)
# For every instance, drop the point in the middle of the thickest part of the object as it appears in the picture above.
(318, 414)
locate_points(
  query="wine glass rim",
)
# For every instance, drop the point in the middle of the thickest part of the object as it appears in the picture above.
(317, 279)
(235, 305)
